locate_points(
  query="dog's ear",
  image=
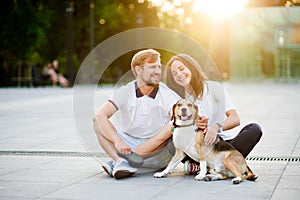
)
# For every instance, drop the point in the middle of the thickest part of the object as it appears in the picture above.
(173, 114)
(196, 108)
(173, 111)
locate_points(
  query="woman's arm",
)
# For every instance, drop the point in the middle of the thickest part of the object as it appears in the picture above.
(232, 121)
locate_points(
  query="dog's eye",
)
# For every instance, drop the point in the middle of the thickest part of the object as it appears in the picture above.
(179, 104)
(190, 105)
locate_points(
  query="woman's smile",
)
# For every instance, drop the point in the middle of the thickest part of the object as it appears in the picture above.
(180, 73)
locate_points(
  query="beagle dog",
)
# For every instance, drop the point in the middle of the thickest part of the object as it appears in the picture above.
(217, 162)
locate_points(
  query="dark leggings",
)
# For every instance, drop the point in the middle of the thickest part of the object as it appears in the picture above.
(245, 140)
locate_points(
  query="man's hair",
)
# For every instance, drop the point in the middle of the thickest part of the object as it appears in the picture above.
(143, 56)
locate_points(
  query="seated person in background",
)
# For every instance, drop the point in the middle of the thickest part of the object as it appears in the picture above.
(52, 72)
(48, 72)
(60, 77)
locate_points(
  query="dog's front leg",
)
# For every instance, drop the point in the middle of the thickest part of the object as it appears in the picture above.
(199, 147)
(203, 171)
(177, 158)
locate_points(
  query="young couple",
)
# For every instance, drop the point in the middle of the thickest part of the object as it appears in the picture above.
(139, 134)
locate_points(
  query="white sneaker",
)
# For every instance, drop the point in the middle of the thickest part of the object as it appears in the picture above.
(108, 167)
(122, 169)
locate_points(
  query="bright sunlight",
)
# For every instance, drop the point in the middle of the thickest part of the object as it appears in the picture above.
(216, 9)
(219, 8)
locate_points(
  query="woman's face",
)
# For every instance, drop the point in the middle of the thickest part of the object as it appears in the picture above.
(181, 73)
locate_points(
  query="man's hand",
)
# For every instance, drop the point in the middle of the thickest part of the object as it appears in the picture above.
(122, 147)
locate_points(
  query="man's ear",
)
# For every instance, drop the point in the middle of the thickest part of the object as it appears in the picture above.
(138, 70)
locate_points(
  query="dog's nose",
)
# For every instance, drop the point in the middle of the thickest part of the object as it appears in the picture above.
(183, 110)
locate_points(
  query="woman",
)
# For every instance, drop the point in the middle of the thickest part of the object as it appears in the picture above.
(184, 75)
(60, 77)
(50, 73)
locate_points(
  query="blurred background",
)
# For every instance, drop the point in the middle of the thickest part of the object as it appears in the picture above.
(247, 39)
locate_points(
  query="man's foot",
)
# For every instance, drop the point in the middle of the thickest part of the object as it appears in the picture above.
(191, 168)
(122, 169)
(108, 167)
(133, 159)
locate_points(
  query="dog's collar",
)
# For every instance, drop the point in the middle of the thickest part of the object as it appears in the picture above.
(179, 126)
(185, 125)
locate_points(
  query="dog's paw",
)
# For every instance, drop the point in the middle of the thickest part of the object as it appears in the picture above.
(208, 178)
(159, 174)
(199, 177)
(236, 180)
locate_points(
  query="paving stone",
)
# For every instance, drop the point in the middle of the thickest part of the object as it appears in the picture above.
(42, 119)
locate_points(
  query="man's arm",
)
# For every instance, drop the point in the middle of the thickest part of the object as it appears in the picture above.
(156, 142)
(104, 128)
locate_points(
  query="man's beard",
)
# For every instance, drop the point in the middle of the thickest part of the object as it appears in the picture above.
(149, 82)
(152, 84)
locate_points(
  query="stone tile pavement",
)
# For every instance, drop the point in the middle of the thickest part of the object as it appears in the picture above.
(45, 138)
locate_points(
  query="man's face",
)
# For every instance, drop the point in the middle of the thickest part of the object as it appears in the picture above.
(150, 73)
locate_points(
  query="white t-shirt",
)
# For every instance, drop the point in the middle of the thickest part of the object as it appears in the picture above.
(142, 116)
(214, 104)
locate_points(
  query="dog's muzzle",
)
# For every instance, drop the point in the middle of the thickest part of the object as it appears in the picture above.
(183, 115)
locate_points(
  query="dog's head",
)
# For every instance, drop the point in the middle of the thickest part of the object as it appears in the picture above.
(184, 112)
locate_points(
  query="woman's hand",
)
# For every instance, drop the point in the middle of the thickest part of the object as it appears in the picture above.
(211, 134)
(202, 122)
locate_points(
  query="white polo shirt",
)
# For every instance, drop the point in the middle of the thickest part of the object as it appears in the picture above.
(140, 115)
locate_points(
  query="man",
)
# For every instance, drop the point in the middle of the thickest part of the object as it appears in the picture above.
(141, 111)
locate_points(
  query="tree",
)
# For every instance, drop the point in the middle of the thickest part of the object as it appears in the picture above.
(35, 31)
(23, 23)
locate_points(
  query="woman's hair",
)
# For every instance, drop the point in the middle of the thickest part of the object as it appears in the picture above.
(197, 76)
(143, 56)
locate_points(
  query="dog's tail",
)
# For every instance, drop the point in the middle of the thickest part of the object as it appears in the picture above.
(250, 175)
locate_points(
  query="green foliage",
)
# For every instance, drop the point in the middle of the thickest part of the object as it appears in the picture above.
(35, 31)
(23, 25)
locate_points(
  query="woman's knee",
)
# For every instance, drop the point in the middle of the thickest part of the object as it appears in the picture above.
(255, 130)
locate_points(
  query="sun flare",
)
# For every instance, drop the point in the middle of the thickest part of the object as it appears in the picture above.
(219, 8)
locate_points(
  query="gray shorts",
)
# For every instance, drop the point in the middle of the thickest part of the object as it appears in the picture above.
(158, 159)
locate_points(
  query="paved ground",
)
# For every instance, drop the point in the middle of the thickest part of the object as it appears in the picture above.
(43, 138)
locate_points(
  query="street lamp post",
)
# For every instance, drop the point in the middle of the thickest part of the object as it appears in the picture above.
(92, 28)
(92, 42)
(70, 41)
